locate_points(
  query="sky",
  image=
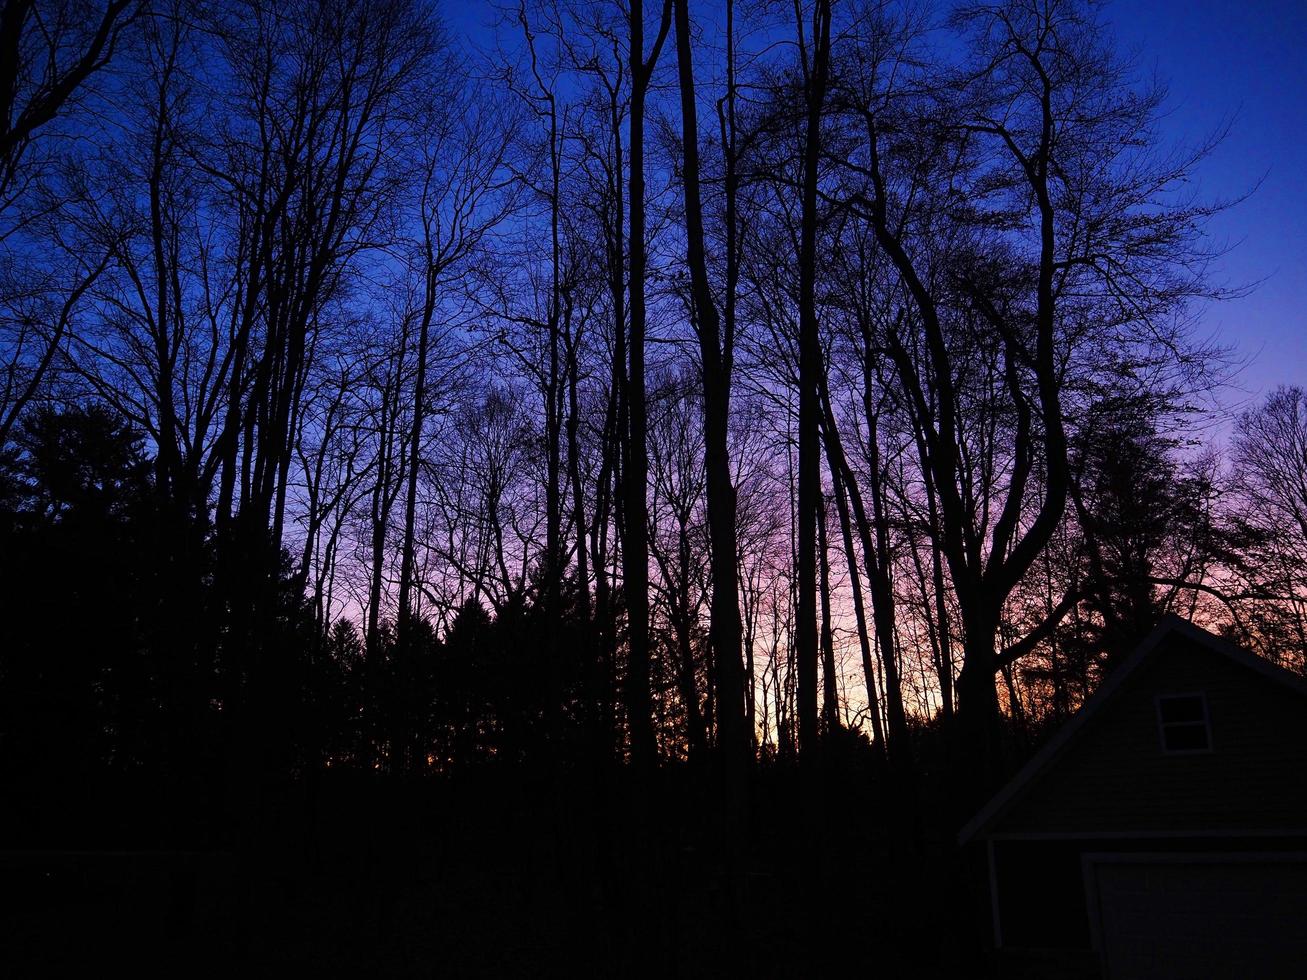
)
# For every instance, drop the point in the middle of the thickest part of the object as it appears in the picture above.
(1246, 61)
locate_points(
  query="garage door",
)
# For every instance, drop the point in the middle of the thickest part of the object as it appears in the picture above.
(1199, 917)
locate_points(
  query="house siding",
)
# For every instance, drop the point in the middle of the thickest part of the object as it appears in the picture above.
(1115, 777)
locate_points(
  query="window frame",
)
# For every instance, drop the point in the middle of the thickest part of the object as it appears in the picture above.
(1163, 725)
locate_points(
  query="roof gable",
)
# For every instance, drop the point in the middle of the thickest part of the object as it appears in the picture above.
(1071, 734)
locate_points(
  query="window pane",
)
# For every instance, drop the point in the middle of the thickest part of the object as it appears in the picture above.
(1186, 708)
(1185, 738)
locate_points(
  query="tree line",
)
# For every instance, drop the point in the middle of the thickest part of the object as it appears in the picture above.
(727, 385)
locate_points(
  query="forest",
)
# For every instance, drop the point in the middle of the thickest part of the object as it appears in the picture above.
(643, 473)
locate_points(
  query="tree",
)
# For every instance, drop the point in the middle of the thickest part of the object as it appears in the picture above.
(715, 330)
(464, 195)
(635, 471)
(51, 51)
(52, 59)
(1019, 248)
(1270, 479)
(816, 68)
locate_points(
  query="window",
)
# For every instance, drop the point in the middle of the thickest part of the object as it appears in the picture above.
(1182, 719)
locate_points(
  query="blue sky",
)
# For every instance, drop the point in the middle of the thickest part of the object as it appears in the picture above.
(1248, 61)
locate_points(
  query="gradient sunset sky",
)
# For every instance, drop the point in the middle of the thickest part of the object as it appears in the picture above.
(1247, 61)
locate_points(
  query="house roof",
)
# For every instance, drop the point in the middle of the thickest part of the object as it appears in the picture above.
(1048, 756)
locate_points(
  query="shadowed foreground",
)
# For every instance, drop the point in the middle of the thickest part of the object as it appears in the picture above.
(483, 877)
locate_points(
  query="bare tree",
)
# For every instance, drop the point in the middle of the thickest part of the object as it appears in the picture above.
(1045, 254)
(635, 471)
(715, 330)
(49, 53)
(1270, 474)
(815, 54)
(464, 195)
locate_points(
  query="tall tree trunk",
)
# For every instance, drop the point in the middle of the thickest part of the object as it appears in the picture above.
(830, 687)
(635, 478)
(573, 425)
(609, 490)
(553, 391)
(810, 366)
(880, 572)
(406, 556)
(859, 608)
(875, 551)
(378, 542)
(945, 666)
(716, 351)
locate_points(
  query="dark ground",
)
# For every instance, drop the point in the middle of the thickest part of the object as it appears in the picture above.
(481, 876)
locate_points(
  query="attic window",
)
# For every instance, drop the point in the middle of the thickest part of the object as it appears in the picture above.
(1182, 719)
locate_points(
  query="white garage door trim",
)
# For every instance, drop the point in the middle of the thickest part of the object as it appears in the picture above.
(1089, 863)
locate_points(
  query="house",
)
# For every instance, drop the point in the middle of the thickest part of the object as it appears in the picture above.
(1162, 831)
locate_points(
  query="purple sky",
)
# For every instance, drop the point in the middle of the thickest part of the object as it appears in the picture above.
(1247, 60)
